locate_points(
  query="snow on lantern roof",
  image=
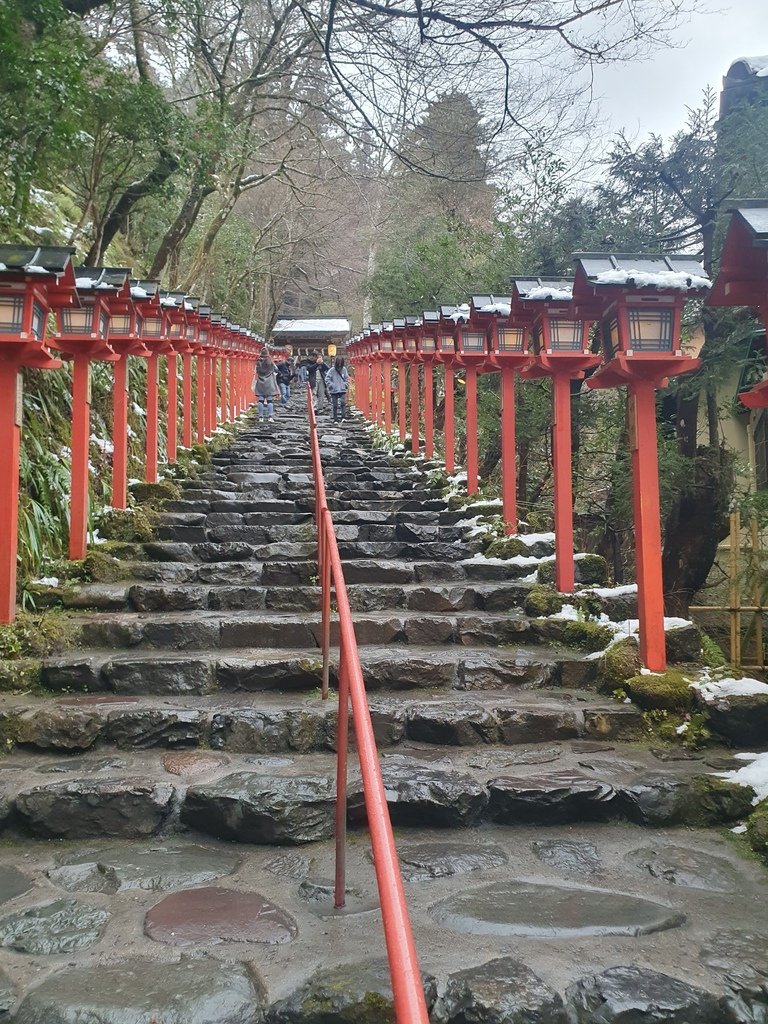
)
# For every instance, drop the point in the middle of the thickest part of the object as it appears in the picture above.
(101, 278)
(413, 321)
(455, 313)
(540, 289)
(34, 259)
(144, 289)
(314, 325)
(757, 66)
(678, 273)
(500, 305)
(754, 213)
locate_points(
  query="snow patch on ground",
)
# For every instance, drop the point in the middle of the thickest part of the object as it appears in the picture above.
(47, 581)
(535, 538)
(745, 687)
(631, 627)
(629, 588)
(754, 774)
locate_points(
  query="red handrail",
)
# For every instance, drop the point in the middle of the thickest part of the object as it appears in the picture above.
(407, 988)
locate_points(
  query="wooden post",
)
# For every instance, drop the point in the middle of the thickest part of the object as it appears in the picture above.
(472, 459)
(202, 386)
(429, 412)
(401, 411)
(415, 425)
(10, 438)
(449, 426)
(150, 472)
(563, 486)
(81, 434)
(120, 434)
(387, 368)
(186, 400)
(508, 450)
(172, 412)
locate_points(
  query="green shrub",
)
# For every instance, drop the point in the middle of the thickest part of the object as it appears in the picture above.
(542, 601)
(668, 691)
(712, 653)
(590, 605)
(36, 636)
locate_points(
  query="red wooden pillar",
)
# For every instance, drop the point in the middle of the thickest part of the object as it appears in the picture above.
(377, 393)
(120, 434)
(508, 449)
(202, 385)
(449, 431)
(224, 366)
(10, 443)
(153, 401)
(401, 413)
(186, 400)
(233, 388)
(387, 369)
(172, 414)
(641, 410)
(81, 434)
(472, 462)
(367, 401)
(415, 425)
(429, 412)
(563, 489)
(210, 394)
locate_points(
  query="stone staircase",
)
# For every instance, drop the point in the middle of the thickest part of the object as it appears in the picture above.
(168, 802)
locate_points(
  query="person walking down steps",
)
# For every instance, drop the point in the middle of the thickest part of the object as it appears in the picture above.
(318, 384)
(337, 383)
(265, 387)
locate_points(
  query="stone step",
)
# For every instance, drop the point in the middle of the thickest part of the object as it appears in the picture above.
(208, 630)
(278, 724)
(171, 596)
(263, 799)
(201, 532)
(266, 946)
(172, 551)
(400, 668)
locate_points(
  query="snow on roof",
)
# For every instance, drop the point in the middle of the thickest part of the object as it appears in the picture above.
(498, 307)
(138, 292)
(544, 292)
(312, 325)
(757, 65)
(677, 280)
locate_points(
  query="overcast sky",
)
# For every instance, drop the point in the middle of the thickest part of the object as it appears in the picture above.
(651, 95)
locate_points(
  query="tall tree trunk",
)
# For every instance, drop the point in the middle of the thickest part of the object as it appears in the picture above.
(204, 249)
(182, 225)
(166, 165)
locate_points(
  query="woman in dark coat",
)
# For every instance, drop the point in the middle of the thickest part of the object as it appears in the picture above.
(265, 387)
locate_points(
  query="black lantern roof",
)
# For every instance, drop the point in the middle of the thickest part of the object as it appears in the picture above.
(399, 322)
(543, 289)
(455, 313)
(498, 304)
(678, 272)
(430, 316)
(101, 278)
(413, 321)
(144, 289)
(173, 300)
(35, 259)
(203, 310)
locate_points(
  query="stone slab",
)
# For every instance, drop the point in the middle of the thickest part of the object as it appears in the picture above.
(212, 915)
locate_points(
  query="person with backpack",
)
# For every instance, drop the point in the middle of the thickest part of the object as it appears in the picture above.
(337, 383)
(265, 386)
(285, 375)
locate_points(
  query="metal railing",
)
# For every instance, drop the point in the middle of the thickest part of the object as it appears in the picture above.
(407, 989)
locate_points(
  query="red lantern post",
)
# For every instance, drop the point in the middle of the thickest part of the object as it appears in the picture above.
(411, 356)
(428, 342)
(472, 351)
(156, 334)
(32, 282)
(372, 336)
(82, 334)
(386, 338)
(561, 347)
(398, 354)
(641, 299)
(446, 355)
(509, 353)
(125, 330)
(743, 277)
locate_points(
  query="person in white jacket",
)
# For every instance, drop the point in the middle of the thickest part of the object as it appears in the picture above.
(337, 384)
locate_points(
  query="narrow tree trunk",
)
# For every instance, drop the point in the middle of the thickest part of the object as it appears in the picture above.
(182, 225)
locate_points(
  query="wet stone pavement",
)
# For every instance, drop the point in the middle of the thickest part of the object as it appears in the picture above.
(167, 822)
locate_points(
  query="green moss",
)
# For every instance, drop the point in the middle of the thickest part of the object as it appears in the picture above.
(23, 675)
(438, 479)
(620, 662)
(717, 800)
(134, 525)
(589, 605)
(201, 454)
(542, 600)
(587, 636)
(757, 830)
(592, 569)
(9, 731)
(509, 547)
(103, 568)
(668, 691)
(458, 501)
(712, 653)
(124, 550)
(36, 636)
(546, 572)
(154, 494)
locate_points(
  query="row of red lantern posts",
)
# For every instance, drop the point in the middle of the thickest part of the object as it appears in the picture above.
(632, 304)
(102, 314)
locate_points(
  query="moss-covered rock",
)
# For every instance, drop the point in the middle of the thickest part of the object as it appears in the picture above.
(103, 568)
(541, 601)
(546, 572)
(684, 644)
(590, 605)
(757, 830)
(126, 551)
(457, 501)
(592, 569)
(23, 674)
(41, 597)
(508, 547)
(666, 691)
(718, 801)
(134, 525)
(37, 636)
(586, 636)
(164, 490)
(620, 662)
